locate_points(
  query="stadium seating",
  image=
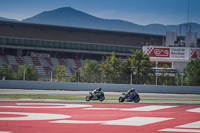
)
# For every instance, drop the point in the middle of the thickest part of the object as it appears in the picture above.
(71, 63)
(41, 71)
(77, 63)
(12, 60)
(28, 60)
(55, 62)
(48, 60)
(4, 60)
(19, 60)
(47, 70)
(43, 65)
(36, 61)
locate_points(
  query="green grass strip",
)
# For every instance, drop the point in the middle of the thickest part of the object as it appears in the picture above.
(62, 97)
(30, 96)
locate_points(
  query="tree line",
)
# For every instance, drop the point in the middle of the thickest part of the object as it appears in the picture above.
(24, 72)
(136, 69)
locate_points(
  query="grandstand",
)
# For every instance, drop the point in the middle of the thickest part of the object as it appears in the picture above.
(44, 66)
(46, 46)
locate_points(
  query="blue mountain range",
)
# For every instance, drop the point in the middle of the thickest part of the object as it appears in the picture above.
(68, 16)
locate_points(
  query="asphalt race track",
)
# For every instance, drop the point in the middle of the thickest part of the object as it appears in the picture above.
(36, 117)
(108, 94)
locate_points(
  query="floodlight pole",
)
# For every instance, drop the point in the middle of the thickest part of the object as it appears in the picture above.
(156, 80)
(51, 76)
(78, 76)
(24, 76)
(182, 79)
(131, 78)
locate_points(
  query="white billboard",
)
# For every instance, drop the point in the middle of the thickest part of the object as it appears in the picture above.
(179, 52)
(172, 52)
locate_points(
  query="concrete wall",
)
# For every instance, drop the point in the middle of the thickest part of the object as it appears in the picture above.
(9, 84)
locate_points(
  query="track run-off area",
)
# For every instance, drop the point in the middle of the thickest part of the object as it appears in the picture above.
(43, 117)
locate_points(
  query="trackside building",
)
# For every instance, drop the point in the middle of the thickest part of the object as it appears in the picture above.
(47, 46)
(176, 57)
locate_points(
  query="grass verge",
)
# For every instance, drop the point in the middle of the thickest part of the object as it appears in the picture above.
(61, 97)
(70, 97)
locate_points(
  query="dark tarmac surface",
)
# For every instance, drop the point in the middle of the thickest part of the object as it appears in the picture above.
(149, 97)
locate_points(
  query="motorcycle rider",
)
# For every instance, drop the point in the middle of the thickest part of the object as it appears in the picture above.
(96, 92)
(131, 94)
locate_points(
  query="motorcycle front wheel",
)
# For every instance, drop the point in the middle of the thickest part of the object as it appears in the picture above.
(87, 98)
(136, 99)
(101, 98)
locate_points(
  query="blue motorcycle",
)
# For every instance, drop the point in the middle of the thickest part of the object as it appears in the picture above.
(129, 97)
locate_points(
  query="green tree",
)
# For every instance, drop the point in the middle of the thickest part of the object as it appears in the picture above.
(178, 79)
(164, 78)
(110, 68)
(127, 71)
(127, 66)
(60, 73)
(6, 72)
(139, 65)
(90, 72)
(26, 71)
(192, 73)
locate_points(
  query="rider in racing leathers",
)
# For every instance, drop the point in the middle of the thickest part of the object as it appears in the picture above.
(96, 92)
(131, 94)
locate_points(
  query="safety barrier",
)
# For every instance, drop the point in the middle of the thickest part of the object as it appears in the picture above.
(40, 85)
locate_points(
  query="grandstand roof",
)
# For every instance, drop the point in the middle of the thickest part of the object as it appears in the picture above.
(72, 34)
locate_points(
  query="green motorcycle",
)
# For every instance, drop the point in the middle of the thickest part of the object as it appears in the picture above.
(95, 96)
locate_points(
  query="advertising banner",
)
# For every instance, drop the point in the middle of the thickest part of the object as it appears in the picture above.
(40, 55)
(178, 52)
(172, 52)
(195, 53)
(157, 52)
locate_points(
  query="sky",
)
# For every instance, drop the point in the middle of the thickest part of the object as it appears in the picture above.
(142, 12)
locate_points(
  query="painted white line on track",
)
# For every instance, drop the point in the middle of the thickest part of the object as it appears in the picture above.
(149, 108)
(191, 125)
(76, 122)
(4, 132)
(195, 110)
(102, 108)
(181, 130)
(136, 121)
(132, 121)
(144, 108)
(33, 116)
(51, 105)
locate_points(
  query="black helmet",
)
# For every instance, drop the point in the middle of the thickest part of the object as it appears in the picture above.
(99, 88)
(132, 89)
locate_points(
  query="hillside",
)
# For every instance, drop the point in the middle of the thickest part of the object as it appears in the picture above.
(68, 16)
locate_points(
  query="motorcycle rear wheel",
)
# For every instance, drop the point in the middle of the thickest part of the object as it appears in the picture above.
(121, 99)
